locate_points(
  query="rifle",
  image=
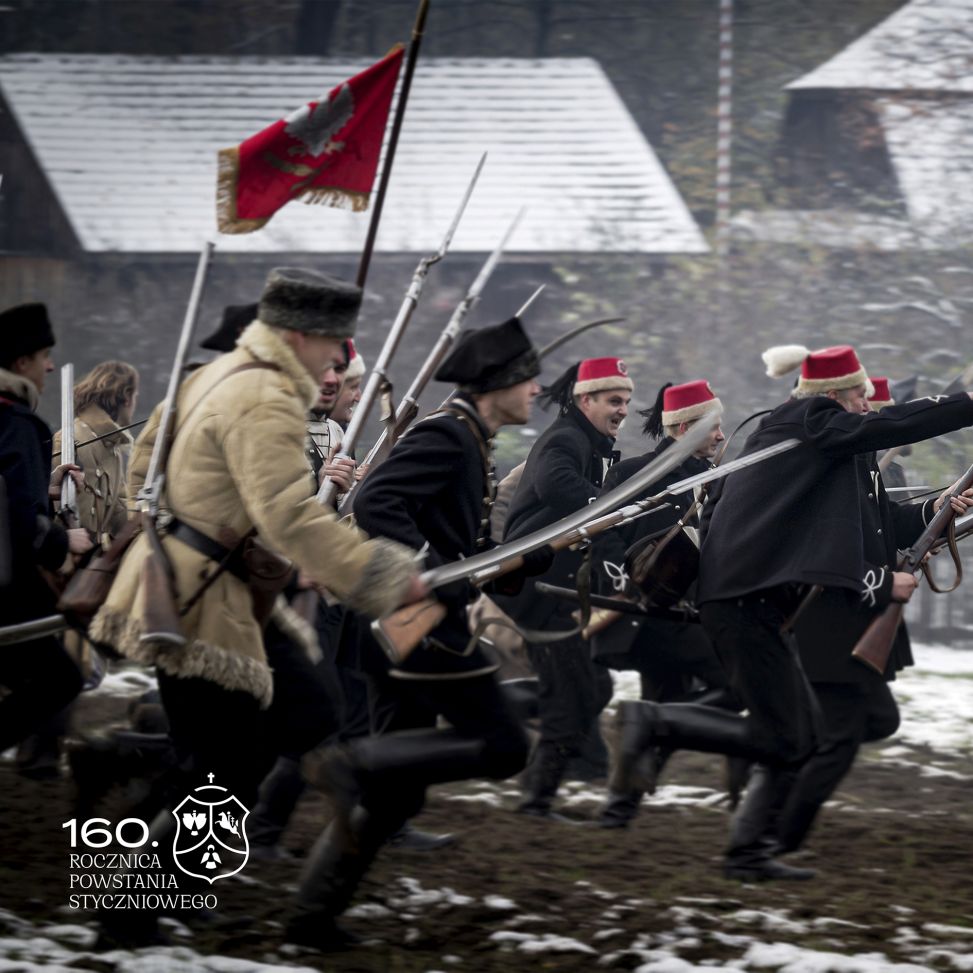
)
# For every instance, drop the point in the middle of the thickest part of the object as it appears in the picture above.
(69, 491)
(408, 408)
(160, 619)
(875, 645)
(378, 379)
(401, 632)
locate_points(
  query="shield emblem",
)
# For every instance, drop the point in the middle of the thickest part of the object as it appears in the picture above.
(211, 838)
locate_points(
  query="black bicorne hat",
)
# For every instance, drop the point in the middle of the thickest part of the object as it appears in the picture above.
(236, 317)
(491, 358)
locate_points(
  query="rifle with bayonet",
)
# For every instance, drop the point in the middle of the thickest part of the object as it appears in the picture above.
(402, 631)
(378, 379)
(875, 645)
(69, 490)
(408, 408)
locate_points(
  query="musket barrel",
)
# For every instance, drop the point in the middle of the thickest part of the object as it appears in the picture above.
(150, 492)
(68, 489)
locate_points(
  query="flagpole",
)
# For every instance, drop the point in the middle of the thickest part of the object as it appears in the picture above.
(410, 65)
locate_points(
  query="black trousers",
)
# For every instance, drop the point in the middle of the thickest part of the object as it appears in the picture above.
(572, 690)
(42, 679)
(853, 714)
(764, 671)
(214, 730)
(474, 707)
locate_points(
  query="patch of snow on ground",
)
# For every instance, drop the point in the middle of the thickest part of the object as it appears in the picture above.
(933, 699)
(787, 958)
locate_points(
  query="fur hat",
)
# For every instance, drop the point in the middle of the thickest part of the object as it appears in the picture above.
(235, 318)
(684, 403)
(24, 329)
(307, 301)
(356, 364)
(883, 395)
(491, 358)
(601, 374)
(821, 371)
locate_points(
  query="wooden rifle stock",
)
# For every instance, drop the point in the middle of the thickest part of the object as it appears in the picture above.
(160, 617)
(399, 633)
(875, 646)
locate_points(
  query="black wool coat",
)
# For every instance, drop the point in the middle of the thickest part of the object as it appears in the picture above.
(831, 626)
(36, 541)
(613, 646)
(429, 495)
(564, 472)
(798, 518)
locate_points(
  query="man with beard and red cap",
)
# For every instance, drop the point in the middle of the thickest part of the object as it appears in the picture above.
(769, 532)
(564, 472)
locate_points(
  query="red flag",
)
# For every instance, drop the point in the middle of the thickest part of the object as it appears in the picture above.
(325, 152)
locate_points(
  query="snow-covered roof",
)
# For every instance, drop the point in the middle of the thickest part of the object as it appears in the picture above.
(129, 145)
(926, 45)
(931, 147)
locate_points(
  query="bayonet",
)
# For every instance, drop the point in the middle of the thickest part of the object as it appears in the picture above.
(378, 378)
(408, 408)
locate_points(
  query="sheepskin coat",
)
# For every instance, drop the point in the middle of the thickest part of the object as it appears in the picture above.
(102, 506)
(237, 462)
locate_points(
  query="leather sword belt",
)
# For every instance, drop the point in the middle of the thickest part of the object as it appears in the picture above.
(232, 560)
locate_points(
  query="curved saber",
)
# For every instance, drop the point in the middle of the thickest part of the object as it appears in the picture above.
(607, 511)
(487, 563)
(571, 335)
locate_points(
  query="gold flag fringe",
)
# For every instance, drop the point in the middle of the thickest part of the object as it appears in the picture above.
(227, 174)
(227, 171)
(331, 196)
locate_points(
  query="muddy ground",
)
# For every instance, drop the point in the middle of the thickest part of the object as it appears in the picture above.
(893, 854)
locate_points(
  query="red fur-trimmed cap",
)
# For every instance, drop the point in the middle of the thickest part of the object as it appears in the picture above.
(686, 402)
(821, 371)
(883, 394)
(601, 374)
(356, 364)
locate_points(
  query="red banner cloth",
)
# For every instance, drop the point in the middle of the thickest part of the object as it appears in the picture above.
(325, 152)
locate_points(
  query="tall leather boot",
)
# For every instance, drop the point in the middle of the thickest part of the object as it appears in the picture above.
(334, 869)
(753, 843)
(542, 779)
(280, 793)
(621, 808)
(395, 761)
(672, 726)
(523, 697)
